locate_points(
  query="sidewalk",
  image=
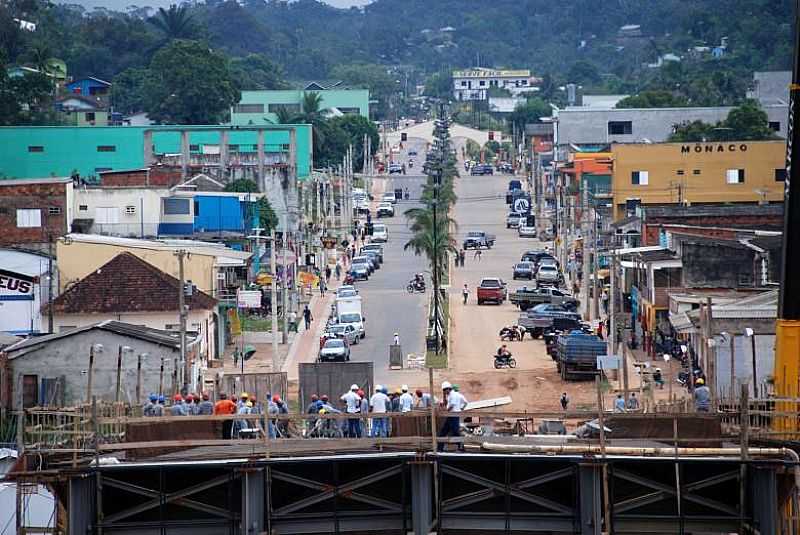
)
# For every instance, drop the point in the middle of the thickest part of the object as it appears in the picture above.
(305, 346)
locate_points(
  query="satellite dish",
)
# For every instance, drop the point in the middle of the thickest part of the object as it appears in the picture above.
(521, 205)
(248, 352)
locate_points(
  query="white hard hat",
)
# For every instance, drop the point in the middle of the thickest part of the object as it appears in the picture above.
(378, 388)
(404, 388)
(446, 384)
(353, 386)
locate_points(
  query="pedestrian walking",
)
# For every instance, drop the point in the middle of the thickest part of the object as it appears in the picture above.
(406, 401)
(353, 406)
(293, 321)
(619, 404)
(633, 402)
(338, 270)
(604, 297)
(564, 400)
(327, 273)
(465, 293)
(322, 287)
(307, 317)
(477, 255)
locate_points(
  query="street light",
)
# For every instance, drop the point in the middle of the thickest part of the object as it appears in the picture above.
(140, 358)
(94, 348)
(751, 334)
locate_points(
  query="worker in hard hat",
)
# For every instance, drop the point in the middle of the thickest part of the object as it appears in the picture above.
(379, 404)
(149, 408)
(406, 400)
(702, 396)
(243, 398)
(396, 339)
(178, 406)
(453, 402)
(353, 406)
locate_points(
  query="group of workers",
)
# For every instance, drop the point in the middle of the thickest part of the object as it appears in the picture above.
(190, 405)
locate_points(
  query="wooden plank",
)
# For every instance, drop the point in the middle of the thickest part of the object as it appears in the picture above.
(488, 403)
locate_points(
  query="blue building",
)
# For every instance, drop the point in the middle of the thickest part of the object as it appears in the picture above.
(213, 214)
(90, 87)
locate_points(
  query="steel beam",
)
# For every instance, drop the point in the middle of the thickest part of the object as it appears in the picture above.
(421, 497)
(81, 505)
(764, 500)
(253, 502)
(590, 492)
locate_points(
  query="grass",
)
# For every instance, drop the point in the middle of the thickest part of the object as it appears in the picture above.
(440, 361)
(256, 324)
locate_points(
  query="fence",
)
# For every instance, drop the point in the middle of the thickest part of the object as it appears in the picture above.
(257, 385)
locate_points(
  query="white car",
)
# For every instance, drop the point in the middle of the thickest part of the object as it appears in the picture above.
(346, 288)
(335, 349)
(549, 274)
(380, 233)
(345, 332)
(388, 197)
(514, 219)
(385, 209)
(526, 232)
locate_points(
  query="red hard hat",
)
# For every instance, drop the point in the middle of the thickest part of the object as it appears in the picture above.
(177, 397)
(189, 398)
(360, 392)
(205, 397)
(276, 398)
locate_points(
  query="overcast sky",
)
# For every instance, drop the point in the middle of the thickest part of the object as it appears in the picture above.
(120, 5)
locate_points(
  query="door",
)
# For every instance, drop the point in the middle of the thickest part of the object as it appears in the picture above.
(30, 391)
(106, 218)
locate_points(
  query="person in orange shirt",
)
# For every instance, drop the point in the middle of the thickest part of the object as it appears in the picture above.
(225, 406)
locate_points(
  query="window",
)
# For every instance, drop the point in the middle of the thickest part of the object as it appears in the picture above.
(775, 125)
(176, 207)
(83, 207)
(172, 327)
(640, 178)
(734, 176)
(680, 172)
(35, 148)
(482, 83)
(463, 84)
(106, 215)
(248, 108)
(130, 209)
(29, 218)
(194, 148)
(619, 128)
(30, 391)
(89, 115)
(54, 210)
(196, 208)
(106, 148)
(780, 175)
(349, 111)
(291, 108)
(696, 171)
(233, 148)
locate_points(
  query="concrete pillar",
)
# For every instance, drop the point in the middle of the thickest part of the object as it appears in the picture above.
(81, 502)
(184, 154)
(421, 497)
(223, 155)
(262, 186)
(764, 499)
(253, 502)
(590, 496)
(148, 148)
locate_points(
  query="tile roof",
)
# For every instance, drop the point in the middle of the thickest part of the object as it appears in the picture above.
(127, 284)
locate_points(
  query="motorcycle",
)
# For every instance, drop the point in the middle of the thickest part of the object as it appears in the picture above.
(683, 376)
(512, 334)
(504, 361)
(414, 286)
(349, 280)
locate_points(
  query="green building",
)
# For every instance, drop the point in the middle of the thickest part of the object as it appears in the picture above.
(43, 151)
(261, 107)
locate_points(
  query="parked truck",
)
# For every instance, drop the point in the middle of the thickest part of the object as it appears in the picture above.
(478, 239)
(528, 297)
(540, 317)
(577, 354)
(491, 289)
(348, 312)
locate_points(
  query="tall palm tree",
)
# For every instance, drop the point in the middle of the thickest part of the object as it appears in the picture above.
(435, 242)
(175, 22)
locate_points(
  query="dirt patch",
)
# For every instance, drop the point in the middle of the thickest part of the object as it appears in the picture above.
(475, 385)
(510, 383)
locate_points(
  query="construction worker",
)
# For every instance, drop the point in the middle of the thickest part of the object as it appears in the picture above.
(423, 399)
(564, 400)
(633, 403)
(702, 396)
(453, 402)
(225, 406)
(243, 398)
(396, 340)
(282, 408)
(406, 401)
(191, 406)
(159, 408)
(314, 406)
(379, 402)
(149, 408)
(363, 425)
(239, 425)
(205, 407)
(619, 404)
(178, 406)
(353, 403)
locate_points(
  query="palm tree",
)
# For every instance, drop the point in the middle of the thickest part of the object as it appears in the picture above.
(175, 22)
(435, 242)
(311, 106)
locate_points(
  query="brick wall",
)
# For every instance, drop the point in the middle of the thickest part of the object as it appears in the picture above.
(653, 225)
(32, 196)
(156, 176)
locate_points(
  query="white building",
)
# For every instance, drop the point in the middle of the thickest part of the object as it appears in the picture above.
(24, 288)
(474, 84)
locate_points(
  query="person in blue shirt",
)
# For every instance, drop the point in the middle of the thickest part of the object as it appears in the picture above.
(619, 404)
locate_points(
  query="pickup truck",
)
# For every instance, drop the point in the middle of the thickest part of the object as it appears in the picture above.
(478, 239)
(492, 289)
(528, 297)
(537, 319)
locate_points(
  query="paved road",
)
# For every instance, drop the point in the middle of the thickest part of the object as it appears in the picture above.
(387, 306)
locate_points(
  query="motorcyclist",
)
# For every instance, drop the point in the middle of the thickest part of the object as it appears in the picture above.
(503, 352)
(406, 195)
(419, 281)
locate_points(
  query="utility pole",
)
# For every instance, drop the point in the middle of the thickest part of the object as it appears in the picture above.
(595, 282)
(285, 299)
(711, 356)
(587, 309)
(50, 278)
(274, 300)
(181, 254)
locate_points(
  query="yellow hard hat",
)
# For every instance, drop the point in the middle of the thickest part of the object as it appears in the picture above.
(700, 382)
(244, 395)
(323, 411)
(398, 391)
(248, 404)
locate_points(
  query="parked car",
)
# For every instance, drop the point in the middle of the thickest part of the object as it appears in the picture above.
(385, 209)
(491, 289)
(548, 274)
(477, 239)
(577, 354)
(541, 317)
(514, 184)
(481, 169)
(360, 272)
(513, 219)
(395, 169)
(334, 350)
(525, 231)
(389, 197)
(523, 270)
(346, 288)
(533, 256)
(373, 256)
(365, 260)
(344, 331)
(380, 233)
(528, 297)
(376, 247)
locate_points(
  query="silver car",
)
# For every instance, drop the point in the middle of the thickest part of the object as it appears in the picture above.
(335, 349)
(547, 273)
(345, 332)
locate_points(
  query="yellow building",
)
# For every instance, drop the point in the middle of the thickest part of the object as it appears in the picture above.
(696, 173)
